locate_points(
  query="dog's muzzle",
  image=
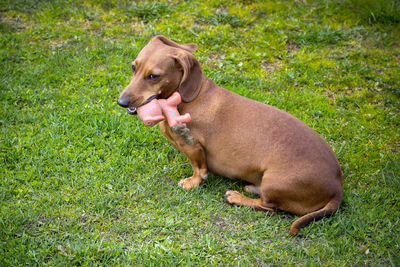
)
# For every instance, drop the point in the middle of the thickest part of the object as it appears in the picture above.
(133, 110)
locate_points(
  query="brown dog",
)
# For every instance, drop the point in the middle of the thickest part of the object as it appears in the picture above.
(290, 166)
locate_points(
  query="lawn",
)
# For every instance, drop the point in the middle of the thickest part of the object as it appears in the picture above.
(84, 183)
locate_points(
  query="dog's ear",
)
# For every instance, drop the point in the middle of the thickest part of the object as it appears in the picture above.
(188, 47)
(190, 84)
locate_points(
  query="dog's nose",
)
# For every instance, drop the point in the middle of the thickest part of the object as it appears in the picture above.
(123, 102)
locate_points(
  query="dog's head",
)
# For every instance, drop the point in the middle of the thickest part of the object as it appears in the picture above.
(161, 68)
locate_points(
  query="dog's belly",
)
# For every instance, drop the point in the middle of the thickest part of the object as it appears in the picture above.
(223, 165)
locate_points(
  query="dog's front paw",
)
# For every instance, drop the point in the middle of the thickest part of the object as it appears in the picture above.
(189, 183)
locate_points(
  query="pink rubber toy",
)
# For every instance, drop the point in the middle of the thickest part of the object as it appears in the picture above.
(152, 113)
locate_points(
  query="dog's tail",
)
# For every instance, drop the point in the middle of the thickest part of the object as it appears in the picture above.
(330, 208)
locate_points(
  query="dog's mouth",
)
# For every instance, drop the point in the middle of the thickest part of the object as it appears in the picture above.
(131, 111)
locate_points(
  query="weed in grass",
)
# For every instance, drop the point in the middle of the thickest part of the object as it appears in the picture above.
(373, 12)
(322, 36)
(221, 18)
(147, 11)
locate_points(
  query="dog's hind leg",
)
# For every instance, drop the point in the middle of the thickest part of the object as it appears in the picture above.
(262, 204)
(254, 189)
(235, 198)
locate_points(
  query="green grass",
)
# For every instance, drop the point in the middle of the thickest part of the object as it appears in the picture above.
(84, 183)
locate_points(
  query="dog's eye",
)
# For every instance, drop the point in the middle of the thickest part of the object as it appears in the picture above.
(133, 67)
(153, 77)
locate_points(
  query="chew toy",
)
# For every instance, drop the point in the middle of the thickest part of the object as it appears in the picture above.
(154, 111)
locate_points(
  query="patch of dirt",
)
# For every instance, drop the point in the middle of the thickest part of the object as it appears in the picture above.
(222, 9)
(345, 91)
(41, 221)
(271, 66)
(212, 61)
(14, 23)
(395, 148)
(291, 46)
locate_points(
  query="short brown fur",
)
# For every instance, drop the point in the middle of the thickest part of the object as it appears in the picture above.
(290, 166)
